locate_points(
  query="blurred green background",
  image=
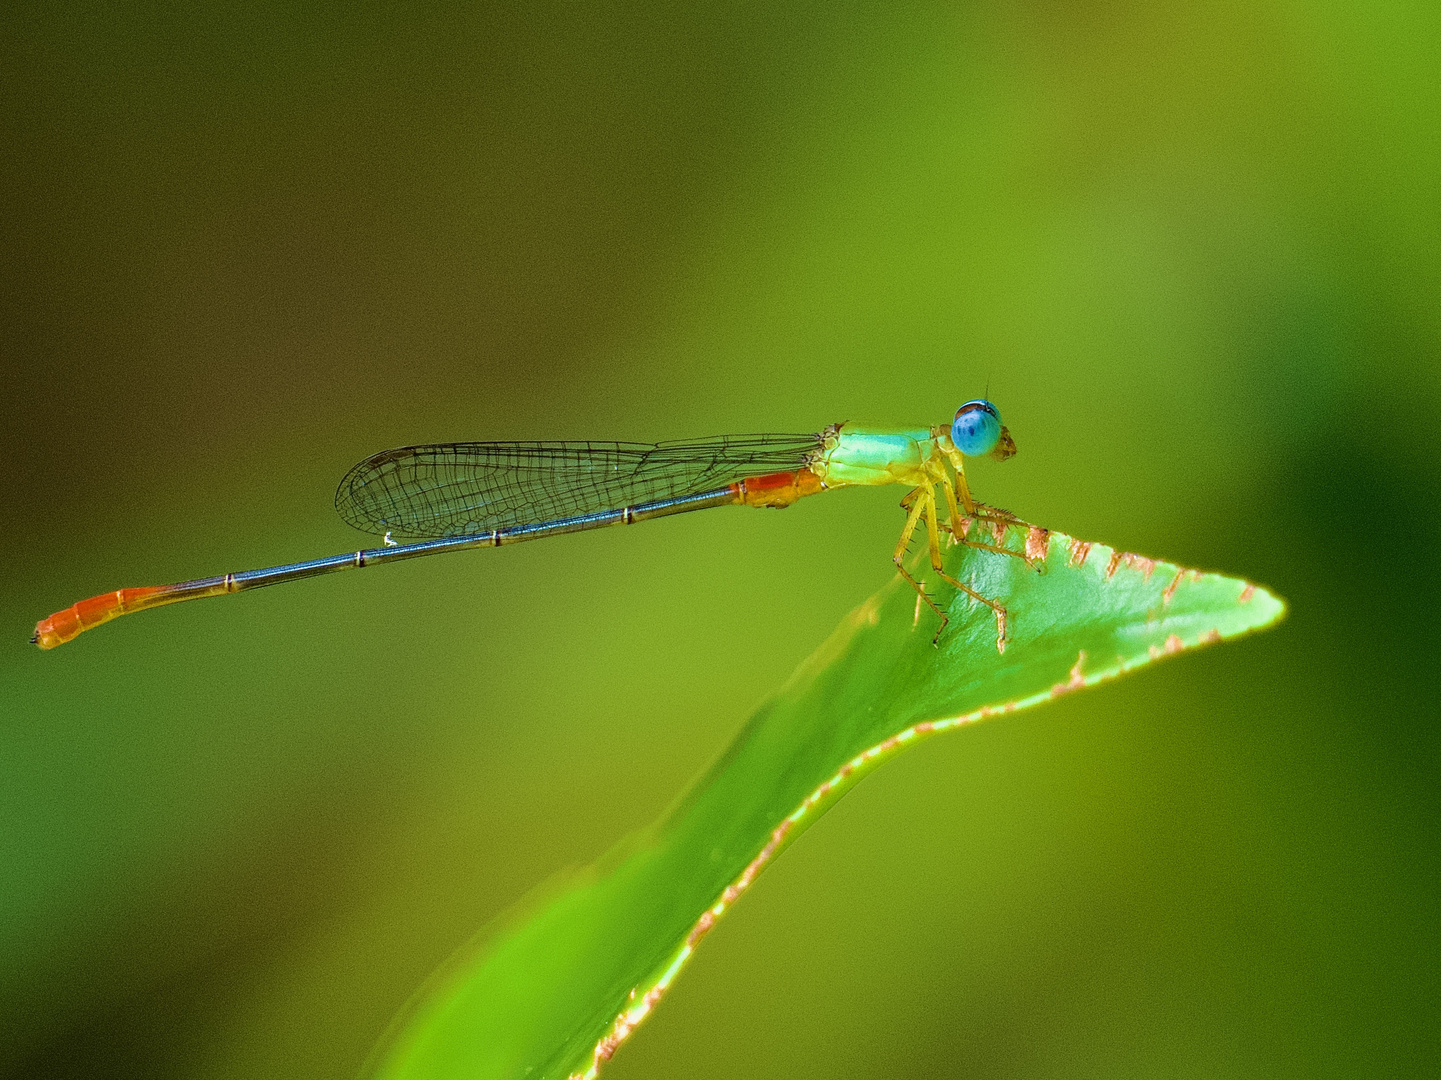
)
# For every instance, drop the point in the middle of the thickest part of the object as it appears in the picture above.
(1194, 250)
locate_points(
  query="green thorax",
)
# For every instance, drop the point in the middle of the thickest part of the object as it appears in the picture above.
(860, 454)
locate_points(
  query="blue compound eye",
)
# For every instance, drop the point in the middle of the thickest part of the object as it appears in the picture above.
(977, 428)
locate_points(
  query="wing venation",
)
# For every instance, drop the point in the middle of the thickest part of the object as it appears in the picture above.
(459, 489)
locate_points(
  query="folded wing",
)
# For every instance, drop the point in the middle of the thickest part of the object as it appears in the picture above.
(458, 489)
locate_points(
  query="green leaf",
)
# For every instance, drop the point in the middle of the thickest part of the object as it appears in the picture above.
(553, 993)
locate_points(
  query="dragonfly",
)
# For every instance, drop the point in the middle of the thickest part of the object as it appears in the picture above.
(458, 496)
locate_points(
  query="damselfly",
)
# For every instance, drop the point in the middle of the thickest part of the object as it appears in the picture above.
(455, 496)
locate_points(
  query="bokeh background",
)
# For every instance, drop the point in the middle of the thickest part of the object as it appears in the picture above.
(1193, 251)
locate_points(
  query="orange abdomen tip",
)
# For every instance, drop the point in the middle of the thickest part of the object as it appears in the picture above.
(69, 624)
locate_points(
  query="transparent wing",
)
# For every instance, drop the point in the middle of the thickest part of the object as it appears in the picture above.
(457, 489)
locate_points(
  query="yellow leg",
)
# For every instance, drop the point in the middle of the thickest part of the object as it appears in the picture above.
(957, 531)
(973, 507)
(962, 488)
(934, 534)
(977, 510)
(919, 500)
(975, 513)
